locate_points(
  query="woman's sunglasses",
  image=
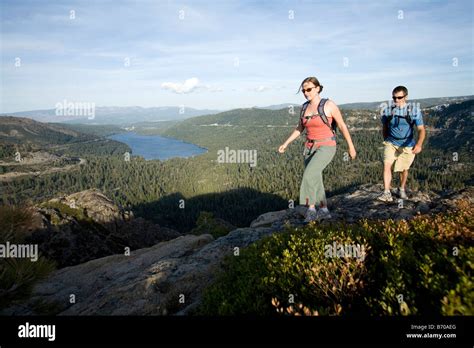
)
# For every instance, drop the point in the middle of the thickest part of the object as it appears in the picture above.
(308, 89)
(398, 98)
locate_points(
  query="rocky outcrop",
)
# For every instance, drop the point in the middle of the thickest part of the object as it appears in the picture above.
(169, 277)
(361, 203)
(96, 206)
(76, 228)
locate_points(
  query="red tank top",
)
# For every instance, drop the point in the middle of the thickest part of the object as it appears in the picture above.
(316, 129)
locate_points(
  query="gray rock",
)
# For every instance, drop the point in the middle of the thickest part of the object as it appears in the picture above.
(361, 203)
(422, 208)
(268, 218)
(95, 205)
(148, 282)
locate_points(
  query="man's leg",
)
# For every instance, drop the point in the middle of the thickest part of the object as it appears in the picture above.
(402, 165)
(403, 179)
(389, 156)
(387, 175)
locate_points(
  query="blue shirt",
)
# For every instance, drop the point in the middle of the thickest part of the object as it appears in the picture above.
(400, 133)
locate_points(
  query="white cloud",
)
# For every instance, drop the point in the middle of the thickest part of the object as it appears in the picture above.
(261, 88)
(187, 87)
(190, 85)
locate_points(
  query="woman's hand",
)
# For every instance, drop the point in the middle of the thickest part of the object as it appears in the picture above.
(282, 148)
(336, 114)
(352, 153)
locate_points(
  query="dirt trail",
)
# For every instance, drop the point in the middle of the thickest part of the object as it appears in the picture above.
(14, 175)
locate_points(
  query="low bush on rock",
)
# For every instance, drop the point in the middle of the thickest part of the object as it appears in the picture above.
(423, 266)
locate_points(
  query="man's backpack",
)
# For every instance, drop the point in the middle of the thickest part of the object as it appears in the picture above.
(324, 118)
(408, 117)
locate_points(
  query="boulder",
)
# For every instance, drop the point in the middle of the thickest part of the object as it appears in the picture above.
(86, 225)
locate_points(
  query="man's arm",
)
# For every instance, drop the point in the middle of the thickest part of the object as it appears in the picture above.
(421, 132)
(421, 137)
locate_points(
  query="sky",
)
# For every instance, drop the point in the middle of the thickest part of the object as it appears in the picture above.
(225, 54)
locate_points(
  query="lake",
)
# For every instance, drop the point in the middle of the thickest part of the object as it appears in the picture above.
(157, 147)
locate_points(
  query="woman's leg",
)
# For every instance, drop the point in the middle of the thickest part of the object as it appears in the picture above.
(312, 187)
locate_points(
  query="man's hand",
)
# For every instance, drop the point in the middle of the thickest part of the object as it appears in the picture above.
(416, 149)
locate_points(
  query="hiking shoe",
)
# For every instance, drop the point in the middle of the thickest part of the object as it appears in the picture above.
(402, 194)
(385, 197)
(323, 215)
(318, 215)
(311, 215)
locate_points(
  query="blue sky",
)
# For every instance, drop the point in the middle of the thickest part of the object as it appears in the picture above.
(224, 54)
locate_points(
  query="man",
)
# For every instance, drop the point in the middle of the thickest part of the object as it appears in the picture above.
(399, 145)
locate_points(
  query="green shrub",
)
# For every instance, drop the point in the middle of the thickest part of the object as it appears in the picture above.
(288, 268)
(18, 276)
(208, 224)
(460, 300)
(14, 223)
(66, 210)
(423, 266)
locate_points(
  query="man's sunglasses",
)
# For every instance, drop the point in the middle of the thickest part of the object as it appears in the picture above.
(398, 98)
(308, 90)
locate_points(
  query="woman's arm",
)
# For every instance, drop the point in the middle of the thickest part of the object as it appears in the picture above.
(336, 114)
(296, 133)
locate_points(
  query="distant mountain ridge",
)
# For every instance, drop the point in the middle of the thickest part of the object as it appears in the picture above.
(277, 106)
(26, 135)
(20, 130)
(438, 115)
(117, 114)
(424, 102)
(128, 115)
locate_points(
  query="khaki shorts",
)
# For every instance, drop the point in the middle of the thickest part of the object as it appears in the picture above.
(401, 155)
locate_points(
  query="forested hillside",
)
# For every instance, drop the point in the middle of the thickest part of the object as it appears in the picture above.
(174, 192)
(24, 135)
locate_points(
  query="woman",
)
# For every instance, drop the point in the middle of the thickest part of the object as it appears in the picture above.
(320, 147)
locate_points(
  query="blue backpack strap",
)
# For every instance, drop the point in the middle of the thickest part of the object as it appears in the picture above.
(392, 115)
(410, 121)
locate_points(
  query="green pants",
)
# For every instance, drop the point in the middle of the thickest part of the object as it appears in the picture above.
(312, 188)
